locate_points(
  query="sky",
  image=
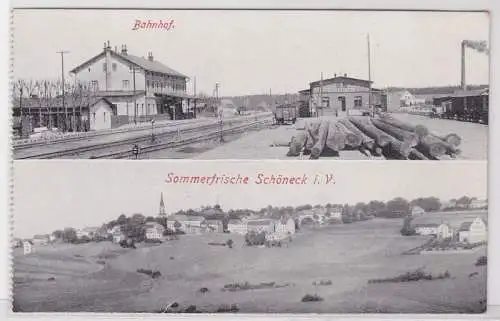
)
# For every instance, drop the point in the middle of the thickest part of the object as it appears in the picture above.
(50, 195)
(250, 52)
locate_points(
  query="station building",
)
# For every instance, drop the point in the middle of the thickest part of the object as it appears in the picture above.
(140, 88)
(342, 96)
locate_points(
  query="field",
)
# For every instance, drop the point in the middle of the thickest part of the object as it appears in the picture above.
(348, 255)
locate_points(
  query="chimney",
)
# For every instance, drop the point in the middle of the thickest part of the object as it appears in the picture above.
(334, 75)
(463, 86)
(345, 75)
(104, 47)
(109, 46)
(150, 56)
(116, 48)
(124, 49)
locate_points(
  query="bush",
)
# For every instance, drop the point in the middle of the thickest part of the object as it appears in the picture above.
(191, 309)
(416, 275)
(151, 273)
(203, 290)
(483, 260)
(311, 298)
(252, 238)
(227, 308)
(154, 241)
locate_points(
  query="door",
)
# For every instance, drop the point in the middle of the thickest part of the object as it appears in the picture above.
(343, 108)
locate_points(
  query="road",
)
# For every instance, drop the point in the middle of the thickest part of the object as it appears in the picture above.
(258, 145)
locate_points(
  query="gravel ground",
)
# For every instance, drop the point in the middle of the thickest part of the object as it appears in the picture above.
(258, 145)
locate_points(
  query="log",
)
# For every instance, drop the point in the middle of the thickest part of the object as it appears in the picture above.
(366, 126)
(312, 129)
(335, 139)
(401, 134)
(297, 144)
(452, 139)
(399, 149)
(351, 139)
(367, 142)
(415, 154)
(319, 146)
(431, 146)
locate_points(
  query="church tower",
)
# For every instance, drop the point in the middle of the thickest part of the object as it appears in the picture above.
(162, 212)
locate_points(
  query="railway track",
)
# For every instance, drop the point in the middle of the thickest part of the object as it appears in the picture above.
(163, 140)
(89, 135)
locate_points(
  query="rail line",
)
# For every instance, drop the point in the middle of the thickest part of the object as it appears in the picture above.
(85, 135)
(187, 141)
(169, 135)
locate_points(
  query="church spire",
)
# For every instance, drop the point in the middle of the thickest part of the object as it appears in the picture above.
(162, 207)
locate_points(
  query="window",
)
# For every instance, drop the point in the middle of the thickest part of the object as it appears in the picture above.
(325, 102)
(94, 84)
(358, 101)
(113, 65)
(147, 83)
(89, 69)
(125, 84)
(94, 116)
(104, 114)
(104, 67)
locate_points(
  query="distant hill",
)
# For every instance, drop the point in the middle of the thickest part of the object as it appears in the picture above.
(436, 90)
(253, 102)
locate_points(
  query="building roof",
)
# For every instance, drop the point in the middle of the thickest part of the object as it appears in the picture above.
(235, 222)
(214, 222)
(144, 63)
(426, 225)
(177, 217)
(90, 229)
(259, 222)
(465, 226)
(341, 79)
(194, 218)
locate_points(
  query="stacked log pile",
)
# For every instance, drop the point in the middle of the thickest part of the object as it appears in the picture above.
(382, 136)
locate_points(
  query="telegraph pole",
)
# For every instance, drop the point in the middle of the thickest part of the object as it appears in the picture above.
(194, 94)
(135, 97)
(219, 110)
(62, 52)
(369, 77)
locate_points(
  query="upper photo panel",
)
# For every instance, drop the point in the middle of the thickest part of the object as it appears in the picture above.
(250, 84)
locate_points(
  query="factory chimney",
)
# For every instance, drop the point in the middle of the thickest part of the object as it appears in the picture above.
(463, 85)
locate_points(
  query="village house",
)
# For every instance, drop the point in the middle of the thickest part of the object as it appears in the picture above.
(473, 232)
(237, 227)
(335, 213)
(175, 222)
(16, 242)
(478, 204)
(417, 210)
(285, 225)
(215, 226)
(116, 234)
(87, 232)
(40, 240)
(154, 231)
(426, 229)
(262, 225)
(140, 88)
(27, 247)
(444, 231)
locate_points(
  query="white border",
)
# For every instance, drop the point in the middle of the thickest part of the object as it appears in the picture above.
(494, 143)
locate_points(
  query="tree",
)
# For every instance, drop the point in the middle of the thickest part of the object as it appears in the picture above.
(464, 201)
(407, 227)
(230, 243)
(69, 235)
(58, 234)
(374, 207)
(122, 219)
(398, 207)
(150, 219)
(177, 225)
(138, 218)
(429, 204)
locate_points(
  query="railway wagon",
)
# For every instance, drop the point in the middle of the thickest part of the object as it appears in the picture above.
(285, 114)
(471, 106)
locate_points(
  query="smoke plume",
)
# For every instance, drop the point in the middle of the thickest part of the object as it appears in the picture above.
(479, 46)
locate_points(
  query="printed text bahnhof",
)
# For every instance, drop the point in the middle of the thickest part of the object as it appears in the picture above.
(238, 179)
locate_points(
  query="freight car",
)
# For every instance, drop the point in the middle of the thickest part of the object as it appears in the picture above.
(285, 114)
(471, 106)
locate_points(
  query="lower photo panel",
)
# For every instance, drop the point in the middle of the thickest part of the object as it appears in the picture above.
(249, 237)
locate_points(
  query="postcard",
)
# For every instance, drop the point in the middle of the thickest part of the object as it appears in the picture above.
(214, 84)
(197, 237)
